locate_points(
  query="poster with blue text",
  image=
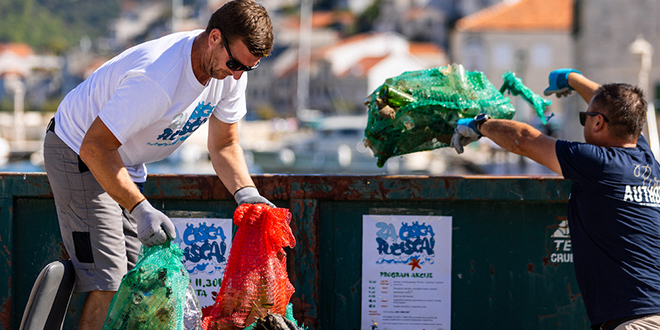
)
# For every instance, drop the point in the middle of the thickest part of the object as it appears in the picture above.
(406, 272)
(205, 243)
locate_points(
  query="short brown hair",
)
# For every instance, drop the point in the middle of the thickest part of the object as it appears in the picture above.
(625, 107)
(246, 20)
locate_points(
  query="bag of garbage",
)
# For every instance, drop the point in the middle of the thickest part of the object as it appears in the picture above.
(418, 110)
(155, 294)
(255, 282)
(275, 322)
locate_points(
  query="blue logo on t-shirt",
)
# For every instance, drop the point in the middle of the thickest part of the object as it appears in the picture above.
(173, 135)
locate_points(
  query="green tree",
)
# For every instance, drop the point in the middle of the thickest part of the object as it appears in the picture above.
(54, 25)
(365, 21)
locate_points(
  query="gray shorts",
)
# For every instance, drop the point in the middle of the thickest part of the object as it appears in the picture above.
(99, 235)
(651, 322)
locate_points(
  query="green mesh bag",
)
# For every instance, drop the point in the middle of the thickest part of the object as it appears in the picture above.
(155, 294)
(418, 110)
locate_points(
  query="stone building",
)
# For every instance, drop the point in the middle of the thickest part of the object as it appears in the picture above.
(527, 37)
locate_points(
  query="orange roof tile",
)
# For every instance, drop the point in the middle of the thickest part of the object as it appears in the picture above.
(522, 15)
(364, 65)
(419, 12)
(425, 48)
(320, 19)
(19, 49)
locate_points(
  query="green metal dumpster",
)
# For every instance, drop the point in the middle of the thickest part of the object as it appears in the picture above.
(511, 259)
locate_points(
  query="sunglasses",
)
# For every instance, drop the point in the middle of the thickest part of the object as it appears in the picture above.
(584, 114)
(233, 64)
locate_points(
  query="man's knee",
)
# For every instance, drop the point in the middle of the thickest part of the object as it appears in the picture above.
(95, 310)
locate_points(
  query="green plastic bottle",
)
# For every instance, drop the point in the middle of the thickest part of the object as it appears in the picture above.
(395, 97)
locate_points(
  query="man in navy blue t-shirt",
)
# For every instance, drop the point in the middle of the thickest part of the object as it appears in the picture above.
(614, 206)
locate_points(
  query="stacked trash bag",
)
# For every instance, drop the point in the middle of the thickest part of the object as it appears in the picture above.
(254, 294)
(418, 110)
(255, 281)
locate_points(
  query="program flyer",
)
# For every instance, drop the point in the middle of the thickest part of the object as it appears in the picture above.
(406, 272)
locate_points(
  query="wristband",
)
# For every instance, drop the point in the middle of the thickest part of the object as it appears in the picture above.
(479, 120)
(136, 204)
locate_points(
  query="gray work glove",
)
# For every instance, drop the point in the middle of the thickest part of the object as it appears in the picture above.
(154, 227)
(250, 195)
(464, 134)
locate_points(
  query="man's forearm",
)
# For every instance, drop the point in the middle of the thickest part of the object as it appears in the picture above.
(229, 164)
(524, 140)
(511, 135)
(581, 84)
(112, 175)
(100, 152)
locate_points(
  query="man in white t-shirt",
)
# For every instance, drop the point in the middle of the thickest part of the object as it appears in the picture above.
(138, 108)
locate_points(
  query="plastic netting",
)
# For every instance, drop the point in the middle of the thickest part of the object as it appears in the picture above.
(261, 324)
(418, 110)
(515, 87)
(255, 280)
(155, 294)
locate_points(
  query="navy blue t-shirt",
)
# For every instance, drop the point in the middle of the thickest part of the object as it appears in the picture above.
(614, 221)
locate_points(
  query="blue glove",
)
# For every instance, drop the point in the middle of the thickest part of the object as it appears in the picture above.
(154, 227)
(465, 133)
(250, 195)
(558, 81)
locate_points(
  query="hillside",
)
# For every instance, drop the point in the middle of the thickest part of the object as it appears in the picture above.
(54, 25)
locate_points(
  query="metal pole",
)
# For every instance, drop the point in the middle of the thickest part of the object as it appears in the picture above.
(19, 124)
(177, 5)
(304, 53)
(14, 84)
(644, 48)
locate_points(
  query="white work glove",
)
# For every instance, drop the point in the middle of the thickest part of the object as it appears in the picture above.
(464, 134)
(250, 195)
(154, 227)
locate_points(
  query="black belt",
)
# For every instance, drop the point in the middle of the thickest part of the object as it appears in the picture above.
(82, 167)
(51, 125)
(611, 325)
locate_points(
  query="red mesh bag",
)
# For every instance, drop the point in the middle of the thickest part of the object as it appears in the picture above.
(255, 280)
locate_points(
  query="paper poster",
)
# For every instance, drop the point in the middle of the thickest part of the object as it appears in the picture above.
(406, 272)
(205, 243)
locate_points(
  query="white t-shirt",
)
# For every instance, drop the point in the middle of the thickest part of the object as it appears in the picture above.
(150, 100)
